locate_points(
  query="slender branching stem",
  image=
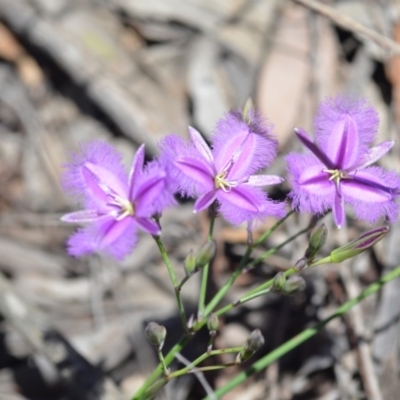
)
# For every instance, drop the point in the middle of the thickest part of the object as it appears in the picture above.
(244, 264)
(174, 281)
(305, 335)
(204, 274)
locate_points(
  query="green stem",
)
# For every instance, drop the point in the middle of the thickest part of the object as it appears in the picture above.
(204, 274)
(174, 281)
(140, 394)
(186, 338)
(162, 361)
(305, 335)
(266, 234)
(192, 368)
(203, 357)
(224, 289)
(243, 263)
(272, 251)
(242, 300)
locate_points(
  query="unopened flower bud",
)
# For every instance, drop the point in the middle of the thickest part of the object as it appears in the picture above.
(212, 322)
(317, 241)
(253, 343)
(278, 281)
(190, 262)
(294, 284)
(357, 246)
(156, 334)
(205, 254)
(247, 108)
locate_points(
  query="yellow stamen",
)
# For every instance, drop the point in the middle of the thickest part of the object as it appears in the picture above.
(221, 183)
(127, 208)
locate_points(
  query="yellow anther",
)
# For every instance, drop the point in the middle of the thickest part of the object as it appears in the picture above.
(127, 208)
(220, 182)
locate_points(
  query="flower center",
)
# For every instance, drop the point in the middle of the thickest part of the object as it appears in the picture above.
(336, 175)
(220, 182)
(126, 208)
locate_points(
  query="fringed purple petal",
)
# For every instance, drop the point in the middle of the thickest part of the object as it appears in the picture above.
(136, 169)
(149, 225)
(91, 239)
(204, 201)
(173, 147)
(100, 179)
(197, 169)
(254, 141)
(334, 110)
(147, 191)
(339, 215)
(373, 193)
(246, 203)
(75, 181)
(343, 144)
(308, 195)
(310, 145)
(165, 197)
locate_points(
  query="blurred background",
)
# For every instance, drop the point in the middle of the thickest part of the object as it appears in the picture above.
(130, 72)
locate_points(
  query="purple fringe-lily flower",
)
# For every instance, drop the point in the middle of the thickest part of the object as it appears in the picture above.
(338, 170)
(226, 173)
(115, 203)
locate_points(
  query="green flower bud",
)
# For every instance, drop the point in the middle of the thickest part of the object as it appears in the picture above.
(293, 285)
(212, 322)
(205, 254)
(317, 241)
(362, 243)
(278, 281)
(247, 108)
(156, 334)
(253, 343)
(190, 262)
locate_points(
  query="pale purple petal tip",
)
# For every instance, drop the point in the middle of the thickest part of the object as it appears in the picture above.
(81, 217)
(200, 144)
(264, 180)
(136, 169)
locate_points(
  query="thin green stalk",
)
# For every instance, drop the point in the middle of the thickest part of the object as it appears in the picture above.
(224, 289)
(243, 263)
(272, 251)
(186, 338)
(140, 394)
(192, 368)
(203, 357)
(268, 232)
(241, 301)
(204, 274)
(269, 283)
(162, 361)
(305, 335)
(174, 281)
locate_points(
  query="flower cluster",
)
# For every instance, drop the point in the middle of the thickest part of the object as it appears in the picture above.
(335, 170)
